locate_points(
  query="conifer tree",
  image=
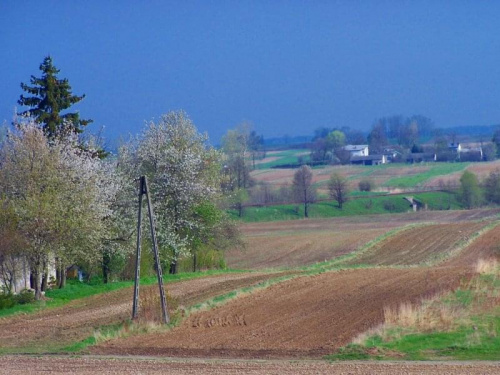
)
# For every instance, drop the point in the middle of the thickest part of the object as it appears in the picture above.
(50, 97)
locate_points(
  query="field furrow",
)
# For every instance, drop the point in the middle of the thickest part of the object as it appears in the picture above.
(420, 244)
(304, 317)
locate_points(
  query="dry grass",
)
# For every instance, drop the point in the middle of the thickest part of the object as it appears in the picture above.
(149, 320)
(487, 266)
(443, 312)
(430, 315)
(150, 306)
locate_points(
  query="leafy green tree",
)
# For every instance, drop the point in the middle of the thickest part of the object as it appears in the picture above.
(336, 139)
(469, 192)
(214, 234)
(48, 97)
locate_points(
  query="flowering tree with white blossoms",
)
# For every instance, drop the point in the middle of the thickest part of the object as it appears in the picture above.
(183, 173)
(61, 196)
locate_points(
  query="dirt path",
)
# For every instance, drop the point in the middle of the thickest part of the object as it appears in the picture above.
(58, 327)
(304, 317)
(27, 365)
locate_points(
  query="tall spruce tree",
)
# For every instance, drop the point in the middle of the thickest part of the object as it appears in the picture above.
(51, 96)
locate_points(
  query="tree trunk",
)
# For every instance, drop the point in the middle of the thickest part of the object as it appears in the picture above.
(58, 272)
(173, 267)
(62, 282)
(194, 261)
(37, 281)
(32, 278)
(45, 276)
(306, 213)
(106, 260)
(43, 287)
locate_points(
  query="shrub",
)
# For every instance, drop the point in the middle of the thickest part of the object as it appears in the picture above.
(369, 204)
(25, 296)
(389, 205)
(6, 301)
(365, 185)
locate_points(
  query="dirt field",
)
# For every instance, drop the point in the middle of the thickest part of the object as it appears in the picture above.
(58, 327)
(417, 245)
(28, 365)
(302, 242)
(295, 250)
(487, 246)
(304, 317)
(371, 221)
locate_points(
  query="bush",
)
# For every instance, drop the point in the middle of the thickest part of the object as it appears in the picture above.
(389, 205)
(25, 296)
(369, 204)
(366, 185)
(6, 301)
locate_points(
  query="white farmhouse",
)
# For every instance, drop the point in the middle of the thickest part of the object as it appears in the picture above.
(357, 150)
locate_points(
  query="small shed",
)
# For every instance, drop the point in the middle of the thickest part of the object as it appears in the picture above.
(369, 160)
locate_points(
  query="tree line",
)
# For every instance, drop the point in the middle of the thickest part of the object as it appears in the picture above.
(65, 201)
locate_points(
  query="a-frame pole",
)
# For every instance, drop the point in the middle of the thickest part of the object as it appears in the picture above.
(135, 304)
(166, 317)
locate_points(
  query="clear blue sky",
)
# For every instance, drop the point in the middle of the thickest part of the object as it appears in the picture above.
(286, 66)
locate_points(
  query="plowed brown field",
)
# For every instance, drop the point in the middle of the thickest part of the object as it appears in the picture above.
(295, 250)
(27, 365)
(487, 246)
(304, 317)
(303, 242)
(59, 327)
(417, 245)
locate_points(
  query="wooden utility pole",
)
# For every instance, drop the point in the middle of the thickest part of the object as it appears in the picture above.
(143, 190)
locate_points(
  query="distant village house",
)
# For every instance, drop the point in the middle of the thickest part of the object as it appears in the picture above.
(357, 150)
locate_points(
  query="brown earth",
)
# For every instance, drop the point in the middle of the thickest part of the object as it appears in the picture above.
(487, 246)
(311, 316)
(304, 317)
(303, 242)
(295, 250)
(59, 327)
(417, 245)
(121, 365)
(376, 221)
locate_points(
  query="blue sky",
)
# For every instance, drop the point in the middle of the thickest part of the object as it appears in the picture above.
(288, 67)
